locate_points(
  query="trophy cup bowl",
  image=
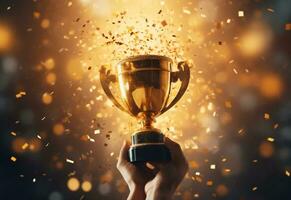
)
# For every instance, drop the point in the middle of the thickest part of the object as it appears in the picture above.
(145, 85)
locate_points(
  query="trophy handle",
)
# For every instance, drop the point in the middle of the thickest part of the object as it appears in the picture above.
(184, 75)
(105, 79)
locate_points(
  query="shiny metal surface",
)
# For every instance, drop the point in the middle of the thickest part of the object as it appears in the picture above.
(145, 83)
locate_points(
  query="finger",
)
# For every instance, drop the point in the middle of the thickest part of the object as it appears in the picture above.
(123, 155)
(158, 165)
(175, 150)
(146, 171)
(153, 167)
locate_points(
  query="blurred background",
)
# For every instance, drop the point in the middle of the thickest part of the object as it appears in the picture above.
(60, 135)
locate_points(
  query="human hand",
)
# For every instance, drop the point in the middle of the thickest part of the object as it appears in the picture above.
(158, 183)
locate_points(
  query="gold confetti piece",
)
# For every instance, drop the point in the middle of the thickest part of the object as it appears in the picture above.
(228, 21)
(241, 13)
(13, 158)
(69, 161)
(212, 166)
(203, 15)
(227, 170)
(186, 11)
(224, 160)
(241, 131)
(287, 173)
(270, 10)
(235, 71)
(112, 154)
(97, 131)
(254, 188)
(208, 130)
(38, 136)
(164, 23)
(24, 146)
(276, 126)
(270, 139)
(13, 133)
(288, 27)
(70, 4)
(267, 116)
(20, 94)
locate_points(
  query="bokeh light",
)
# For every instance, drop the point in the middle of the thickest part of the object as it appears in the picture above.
(6, 38)
(73, 184)
(61, 134)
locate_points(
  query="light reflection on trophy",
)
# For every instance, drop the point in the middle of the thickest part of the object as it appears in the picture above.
(145, 85)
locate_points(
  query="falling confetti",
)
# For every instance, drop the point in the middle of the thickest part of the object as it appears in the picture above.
(13, 158)
(20, 94)
(241, 13)
(69, 161)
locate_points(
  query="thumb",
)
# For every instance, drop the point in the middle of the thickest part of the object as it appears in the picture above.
(123, 154)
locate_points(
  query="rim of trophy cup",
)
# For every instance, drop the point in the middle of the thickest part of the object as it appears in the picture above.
(143, 57)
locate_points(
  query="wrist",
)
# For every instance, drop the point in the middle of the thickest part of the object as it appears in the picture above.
(159, 193)
(163, 191)
(136, 193)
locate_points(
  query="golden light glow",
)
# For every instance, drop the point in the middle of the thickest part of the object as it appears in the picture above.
(255, 41)
(271, 86)
(6, 38)
(45, 23)
(74, 69)
(266, 149)
(58, 129)
(51, 78)
(221, 44)
(47, 98)
(221, 190)
(49, 63)
(107, 177)
(86, 186)
(17, 144)
(73, 184)
(34, 145)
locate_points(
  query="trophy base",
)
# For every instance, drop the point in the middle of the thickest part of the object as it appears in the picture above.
(148, 146)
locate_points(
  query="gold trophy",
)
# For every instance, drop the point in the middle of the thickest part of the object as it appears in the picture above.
(145, 85)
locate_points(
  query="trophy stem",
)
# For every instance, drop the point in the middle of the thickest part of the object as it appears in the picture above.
(146, 120)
